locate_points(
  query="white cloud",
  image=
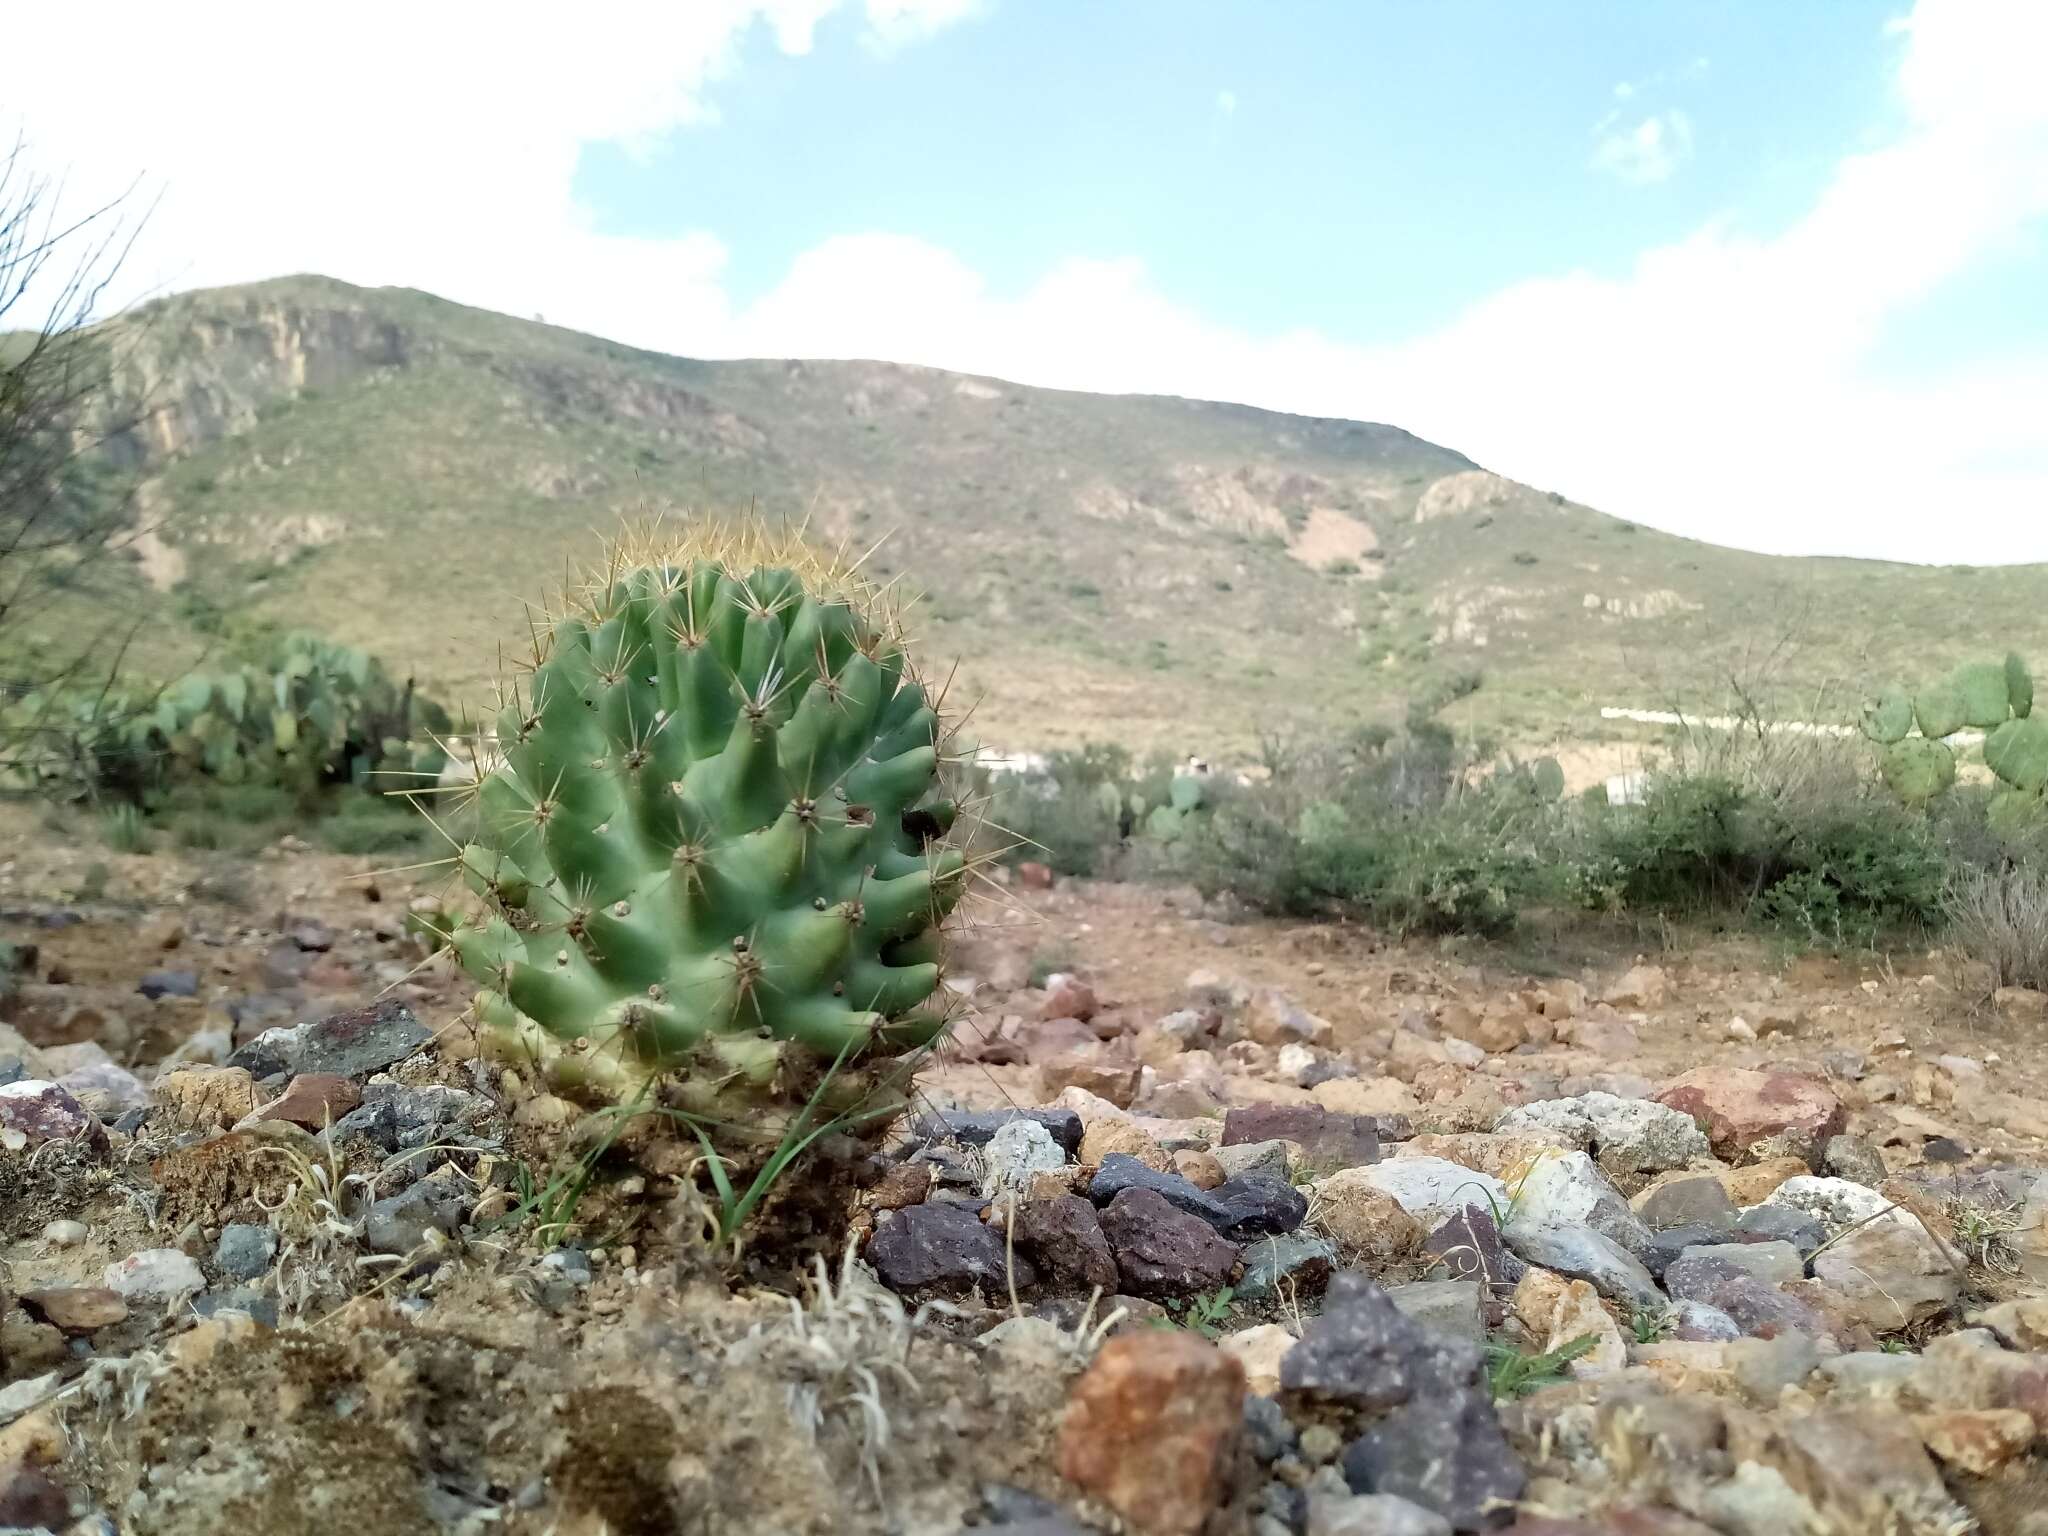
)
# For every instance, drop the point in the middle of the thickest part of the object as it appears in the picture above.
(1646, 150)
(1226, 102)
(1723, 386)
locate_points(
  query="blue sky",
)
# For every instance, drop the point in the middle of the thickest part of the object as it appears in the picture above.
(1364, 170)
(1767, 274)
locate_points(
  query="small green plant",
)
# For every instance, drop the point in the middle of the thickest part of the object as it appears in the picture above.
(1511, 1374)
(1649, 1324)
(1205, 1314)
(124, 830)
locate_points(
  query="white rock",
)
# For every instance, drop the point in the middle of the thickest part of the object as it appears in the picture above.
(1627, 1135)
(155, 1274)
(1565, 1190)
(1835, 1203)
(64, 1234)
(1432, 1187)
(1372, 1514)
(1019, 1150)
(1259, 1350)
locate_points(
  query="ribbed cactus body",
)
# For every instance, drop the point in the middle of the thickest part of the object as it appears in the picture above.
(713, 854)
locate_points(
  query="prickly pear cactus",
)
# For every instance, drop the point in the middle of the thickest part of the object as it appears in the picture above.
(712, 861)
(1994, 697)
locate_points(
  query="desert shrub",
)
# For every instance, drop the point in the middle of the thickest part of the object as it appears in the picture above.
(1824, 860)
(2000, 917)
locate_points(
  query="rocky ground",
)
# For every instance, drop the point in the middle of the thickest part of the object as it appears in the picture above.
(1200, 1226)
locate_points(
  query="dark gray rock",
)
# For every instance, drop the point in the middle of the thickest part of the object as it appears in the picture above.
(1757, 1307)
(155, 984)
(1363, 1355)
(399, 1118)
(1062, 1237)
(1468, 1247)
(1584, 1254)
(400, 1223)
(1120, 1172)
(1163, 1251)
(1267, 1432)
(1293, 1265)
(245, 1250)
(350, 1044)
(1444, 1452)
(941, 1246)
(1328, 1140)
(1667, 1243)
(1853, 1158)
(976, 1128)
(1781, 1224)
(1257, 1205)
(285, 966)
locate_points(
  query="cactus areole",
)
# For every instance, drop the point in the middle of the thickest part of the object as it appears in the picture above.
(712, 862)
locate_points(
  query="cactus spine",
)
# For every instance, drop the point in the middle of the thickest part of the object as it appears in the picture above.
(712, 861)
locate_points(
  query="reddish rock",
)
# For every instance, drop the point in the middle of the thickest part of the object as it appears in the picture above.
(1328, 1140)
(1063, 1237)
(1152, 1429)
(1068, 997)
(76, 1309)
(1161, 1251)
(314, 1100)
(1034, 876)
(1738, 1108)
(32, 1113)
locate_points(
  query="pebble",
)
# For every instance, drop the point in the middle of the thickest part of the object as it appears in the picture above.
(155, 1274)
(245, 1250)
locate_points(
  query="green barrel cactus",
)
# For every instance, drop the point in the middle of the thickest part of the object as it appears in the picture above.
(713, 861)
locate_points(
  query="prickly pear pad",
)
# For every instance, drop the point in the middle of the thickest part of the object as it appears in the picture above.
(714, 852)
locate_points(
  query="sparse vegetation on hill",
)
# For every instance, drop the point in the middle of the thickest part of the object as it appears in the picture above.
(1169, 574)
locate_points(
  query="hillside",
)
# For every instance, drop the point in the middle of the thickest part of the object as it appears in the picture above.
(400, 472)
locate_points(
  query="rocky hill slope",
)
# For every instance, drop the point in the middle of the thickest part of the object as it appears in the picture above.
(401, 471)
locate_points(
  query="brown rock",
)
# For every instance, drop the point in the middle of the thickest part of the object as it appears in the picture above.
(1510, 1153)
(1106, 1136)
(1364, 1220)
(1367, 1096)
(2022, 1324)
(75, 1309)
(314, 1100)
(1978, 1441)
(1152, 1429)
(1198, 1168)
(1034, 876)
(1738, 1108)
(904, 1184)
(1103, 1070)
(1068, 997)
(1754, 1184)
(1641, 986)
(206, 1096)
